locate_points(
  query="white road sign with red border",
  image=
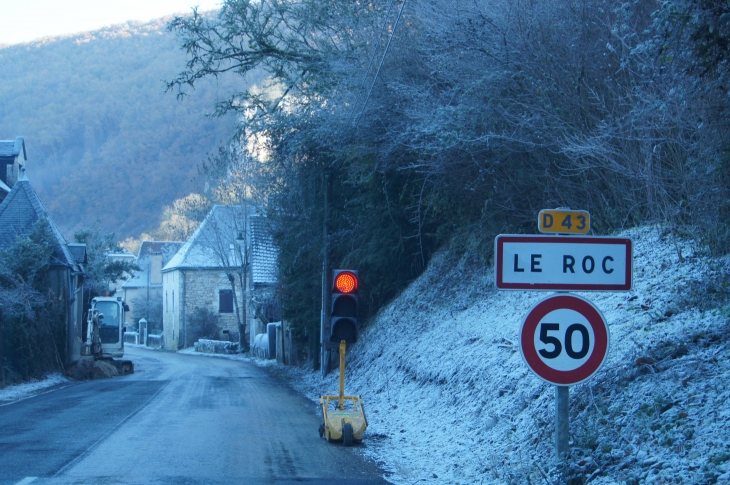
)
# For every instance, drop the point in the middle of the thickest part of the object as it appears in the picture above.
(564, 339)
(563, 263)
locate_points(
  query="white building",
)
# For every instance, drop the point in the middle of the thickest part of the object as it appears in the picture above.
(228, 267)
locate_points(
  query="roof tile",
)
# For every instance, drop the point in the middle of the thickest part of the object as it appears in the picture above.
(214, 245)
(20, 210)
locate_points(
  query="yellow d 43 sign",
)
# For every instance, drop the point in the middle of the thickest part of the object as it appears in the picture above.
(563, 221)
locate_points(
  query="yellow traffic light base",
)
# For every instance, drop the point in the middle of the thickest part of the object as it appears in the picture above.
(346, 420)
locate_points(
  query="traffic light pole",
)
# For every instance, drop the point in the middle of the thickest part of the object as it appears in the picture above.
(324, 318)
(343, 346)
(2, 370)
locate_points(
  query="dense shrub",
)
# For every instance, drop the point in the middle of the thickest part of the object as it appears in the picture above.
(203, 324)
(33, 328)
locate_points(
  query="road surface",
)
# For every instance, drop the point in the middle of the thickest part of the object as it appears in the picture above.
(179, 419)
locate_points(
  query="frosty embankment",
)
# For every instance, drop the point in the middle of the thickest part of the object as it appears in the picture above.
(449, 399)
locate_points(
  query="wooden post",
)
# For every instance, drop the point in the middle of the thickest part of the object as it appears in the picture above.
(562, 422)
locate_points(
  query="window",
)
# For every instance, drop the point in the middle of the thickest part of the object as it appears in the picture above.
(173, 301)
(225, 301)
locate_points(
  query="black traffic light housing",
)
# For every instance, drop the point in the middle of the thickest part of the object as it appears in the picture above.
(343, 314)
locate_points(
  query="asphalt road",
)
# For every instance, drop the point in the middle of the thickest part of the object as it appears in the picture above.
(179, 419)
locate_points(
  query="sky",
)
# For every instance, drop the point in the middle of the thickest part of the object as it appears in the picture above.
(27, 20)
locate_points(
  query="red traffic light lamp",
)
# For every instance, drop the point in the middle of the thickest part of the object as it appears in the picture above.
(343, 313)
(346, 281)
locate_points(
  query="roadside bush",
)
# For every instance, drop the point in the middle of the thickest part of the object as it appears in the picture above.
(32, 332)
(149, 308)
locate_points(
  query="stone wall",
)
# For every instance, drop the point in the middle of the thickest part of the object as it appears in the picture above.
(201, 290)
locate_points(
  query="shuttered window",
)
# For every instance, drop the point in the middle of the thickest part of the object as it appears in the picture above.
(225, 301)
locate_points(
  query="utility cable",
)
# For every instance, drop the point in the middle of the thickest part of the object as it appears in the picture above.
(372, 59)
(370, 92)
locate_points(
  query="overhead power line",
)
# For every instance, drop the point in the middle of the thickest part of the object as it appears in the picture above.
(372, 59)
(370, 92)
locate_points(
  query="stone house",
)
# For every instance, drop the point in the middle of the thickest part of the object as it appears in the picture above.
(20, 210)
(12, 160)
(143, 290)
(263, 300)
(228, 267)
(124, 256)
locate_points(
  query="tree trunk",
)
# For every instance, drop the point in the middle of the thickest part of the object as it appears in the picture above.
(243, 344)
(232, 279)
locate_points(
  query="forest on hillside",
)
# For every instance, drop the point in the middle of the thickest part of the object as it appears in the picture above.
(427, 124)
(104, 140)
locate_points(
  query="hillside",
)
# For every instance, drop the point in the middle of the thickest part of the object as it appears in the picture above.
(103, 138)
(449, 399)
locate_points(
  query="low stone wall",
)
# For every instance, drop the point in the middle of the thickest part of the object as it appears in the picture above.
(156, 341)
(216, 346)
(131, 338)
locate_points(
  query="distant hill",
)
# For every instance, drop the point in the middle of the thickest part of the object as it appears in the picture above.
(103, 139)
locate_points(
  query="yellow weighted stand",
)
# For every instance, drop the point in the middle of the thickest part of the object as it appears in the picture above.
(340, 423)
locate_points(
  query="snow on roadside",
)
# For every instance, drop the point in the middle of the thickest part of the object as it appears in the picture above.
(22, 391)
(449, 399)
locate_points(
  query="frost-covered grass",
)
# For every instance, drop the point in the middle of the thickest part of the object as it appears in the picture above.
(449, 399)
(21, 391)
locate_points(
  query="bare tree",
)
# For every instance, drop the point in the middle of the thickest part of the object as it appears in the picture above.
(224, 235)
(180, 220)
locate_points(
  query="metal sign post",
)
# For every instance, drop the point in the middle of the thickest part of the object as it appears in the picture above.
(562, 421)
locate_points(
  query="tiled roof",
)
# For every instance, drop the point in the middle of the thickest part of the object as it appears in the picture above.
(264, 252)
(166, 248)
(12, 148)
(214, 245)
(20, 210)
(78, 250)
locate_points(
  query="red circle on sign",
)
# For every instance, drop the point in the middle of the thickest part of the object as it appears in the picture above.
(600, 336)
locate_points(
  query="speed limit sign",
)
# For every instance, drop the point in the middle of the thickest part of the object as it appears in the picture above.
(564, 339)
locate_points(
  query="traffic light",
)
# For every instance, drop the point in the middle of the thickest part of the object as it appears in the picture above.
(343, 317)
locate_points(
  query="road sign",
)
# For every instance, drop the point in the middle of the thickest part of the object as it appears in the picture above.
(564, 339)
(580, 263)
(564, 221)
